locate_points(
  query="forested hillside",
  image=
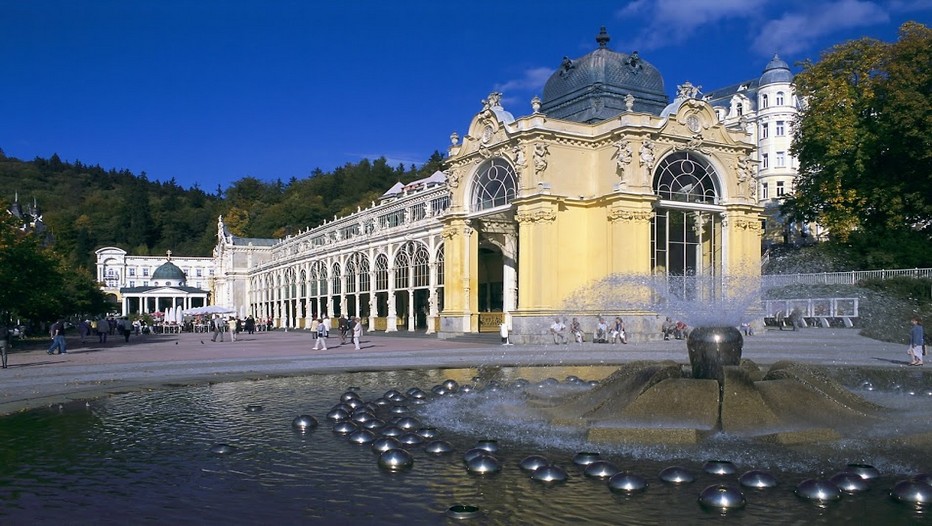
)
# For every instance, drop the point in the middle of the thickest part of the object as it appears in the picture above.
(87, 206)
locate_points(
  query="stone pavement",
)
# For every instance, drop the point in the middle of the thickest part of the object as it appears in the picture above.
(35, 379)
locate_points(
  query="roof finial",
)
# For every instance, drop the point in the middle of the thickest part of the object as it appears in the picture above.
(603, 38)
(168, 253)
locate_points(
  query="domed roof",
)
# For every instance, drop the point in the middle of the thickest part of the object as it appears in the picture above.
(593, 88)
(777, 71)
(169, 271)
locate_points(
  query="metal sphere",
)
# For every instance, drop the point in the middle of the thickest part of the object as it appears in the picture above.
(912, 492)
(391, 393)
(867, 385)
(532, 462)
(601, 469)
(439, 390)
(520, 383)
(865, 471)
(253, 408)
(222, 449)
(408, 423)
(719, 467)
(584, 458)
(484, 465)
(450, 385)
(337, 415)
(373, 424)
(411, 439)
(757, 479)
(571, 379)
(549, 473)
(593, 383)
(381, 402)
(722, 496)
(361, 436)
(397, 398)
(923, 478)
(392, 431)
(345, 427)
(395, 459)
(304, 422)
(362, 417)
(428, 432)
(438, 447)
(466, 388)
(416, 393)
(354, 403)
(384, 444)
(473, 453)
(349, 395)
(818, 489)
(676, 475)
(398, 410)
(488, 444)
(462, 511)
(624, 482)
(849, 482)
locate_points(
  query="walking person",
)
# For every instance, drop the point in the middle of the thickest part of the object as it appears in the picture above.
(231, 324)
(217, 324)
(125, 327)
(57, 332)
(344, 328)
(916, 342)
(321, 343)
(357, 332)
(103, 329)
(6, 339)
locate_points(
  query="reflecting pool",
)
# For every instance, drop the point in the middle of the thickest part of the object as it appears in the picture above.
(146, 458)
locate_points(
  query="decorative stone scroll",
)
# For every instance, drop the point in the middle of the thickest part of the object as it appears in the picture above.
(536, 216)
(626, 215)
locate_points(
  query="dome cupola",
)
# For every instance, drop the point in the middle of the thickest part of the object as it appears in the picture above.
(776, 72)
(170, 273)
(596, 87)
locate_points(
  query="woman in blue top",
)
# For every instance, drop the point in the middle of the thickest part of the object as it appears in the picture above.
(916, 340)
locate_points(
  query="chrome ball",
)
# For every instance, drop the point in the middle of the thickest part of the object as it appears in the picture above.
(345, 427)
(416, 393)
(520, 383)
(411, 439)
(304, 422)
(222, 449)
(392, 393)
(676, 475)
(354, 403)
(439, 390)
(865, 471)
(867, 385)
(571, 379)
(600, 469)
(849, 482)
(450, 385)
(253, 408)
(381, 402)
(549, 473)
(757, 479)
(484, 465)
(395, 460)
(462, 511)
(912, 492)
(466, 388)
(408, 423)
(337, 415)
(923, 478)
(532, 462)
(382, 444)
(623, 482)
(593, 383)
(719, 467)
(473, 453)
(361, 417)
(722, 496)
(488, 444)
(392, 431)
(438, 447)
(373, 424)
(361, 436)
(349, 395)
(584, 458)
(818, 489)
(398, 410)
(428, 432)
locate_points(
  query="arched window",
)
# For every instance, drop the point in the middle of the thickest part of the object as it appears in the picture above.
(362, 266)
(402, 262)
(335, 279)
(763, 101)
(779, 98)
(687, 177)
(350, 277)
(381, 272)
(421, 267)
(440, 266)
(303, 283)
(494, 184)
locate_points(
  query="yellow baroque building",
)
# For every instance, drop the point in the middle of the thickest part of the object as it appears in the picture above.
(604, 178)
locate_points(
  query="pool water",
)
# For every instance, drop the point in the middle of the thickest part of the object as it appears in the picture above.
(145, 458)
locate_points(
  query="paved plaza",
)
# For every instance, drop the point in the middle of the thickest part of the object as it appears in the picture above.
(36, 379)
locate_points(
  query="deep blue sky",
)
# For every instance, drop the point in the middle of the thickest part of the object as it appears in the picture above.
(209, 91)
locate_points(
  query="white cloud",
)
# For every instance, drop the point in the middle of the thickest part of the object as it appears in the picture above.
(799, 31)
(670, 22)
(531, 80)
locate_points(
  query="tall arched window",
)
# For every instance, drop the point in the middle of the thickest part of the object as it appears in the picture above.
(494, 184)
(402, 262)
(381, 272)
(421, 267)
(362, 267)
(440, 266)
(763, 101)
(687, 177)
(335, 279)
(779, 98)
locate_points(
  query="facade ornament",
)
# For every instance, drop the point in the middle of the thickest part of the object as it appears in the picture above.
(536, 216)
(535, 104)
(566, 67)
(494, 100)
(634, 63)
(519, 158)
(743, 173)
(625, 215)
(454, 139)
(541, 152)
(647, 154)
(448, 232)
(629, 102)
(687, 90)
(623, 153)
(453, 178)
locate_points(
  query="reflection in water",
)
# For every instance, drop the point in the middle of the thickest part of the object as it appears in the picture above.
(144, 458)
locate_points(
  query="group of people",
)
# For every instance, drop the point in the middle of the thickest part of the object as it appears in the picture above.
(674, 329)
(233, 325)
(349, 327)
(603, 333)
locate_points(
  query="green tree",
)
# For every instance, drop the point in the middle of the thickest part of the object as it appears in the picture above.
(864, 141)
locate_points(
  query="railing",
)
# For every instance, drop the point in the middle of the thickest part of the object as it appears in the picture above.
(824, 312)
(844, 278)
